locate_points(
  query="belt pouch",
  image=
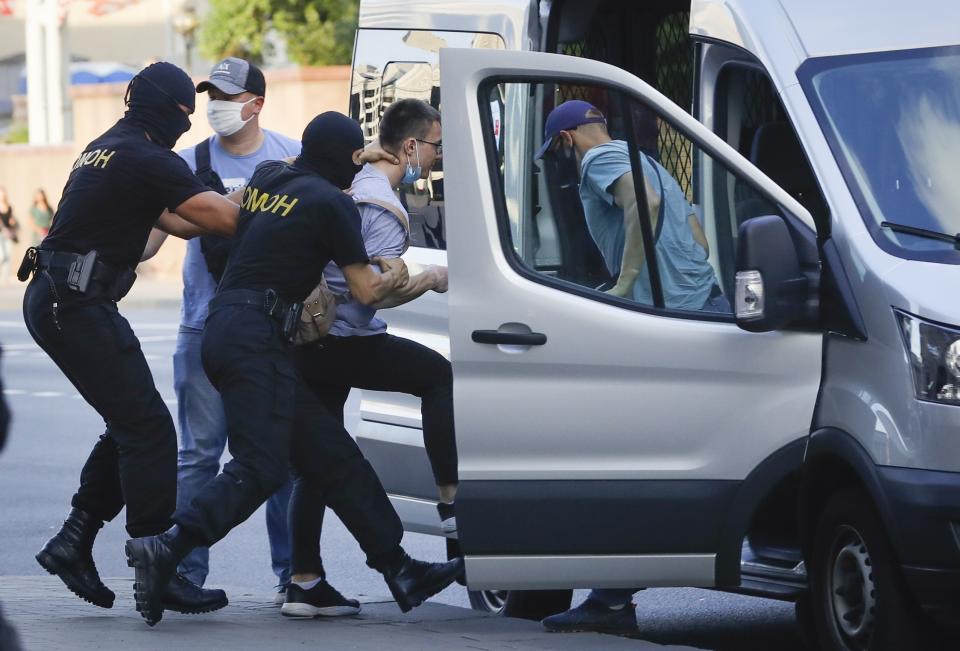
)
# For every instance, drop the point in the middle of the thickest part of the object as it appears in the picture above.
(28, 264)
(122, 283)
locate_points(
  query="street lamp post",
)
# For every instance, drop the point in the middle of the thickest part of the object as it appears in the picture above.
(185, 22)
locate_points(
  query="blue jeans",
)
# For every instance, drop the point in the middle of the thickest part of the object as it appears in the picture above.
(203, 436)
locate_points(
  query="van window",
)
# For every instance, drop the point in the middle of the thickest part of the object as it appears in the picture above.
(892, 120)
(391, 64)
(751, 118)
(591, 201)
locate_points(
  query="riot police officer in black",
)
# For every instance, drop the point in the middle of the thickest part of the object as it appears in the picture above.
(294, 219)
(123, 183)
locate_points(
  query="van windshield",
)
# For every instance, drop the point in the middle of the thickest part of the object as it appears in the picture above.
(893, 122)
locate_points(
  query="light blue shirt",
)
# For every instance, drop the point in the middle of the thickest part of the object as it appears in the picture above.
(685, 274)
(383, 235)
(198, 284)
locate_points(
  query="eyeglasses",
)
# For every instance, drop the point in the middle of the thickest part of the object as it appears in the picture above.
(438, 145)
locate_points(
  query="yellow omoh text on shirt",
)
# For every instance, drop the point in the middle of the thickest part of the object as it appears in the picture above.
(256, 200)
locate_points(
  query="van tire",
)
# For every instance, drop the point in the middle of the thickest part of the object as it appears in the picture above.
(851, 554)
(523, 604)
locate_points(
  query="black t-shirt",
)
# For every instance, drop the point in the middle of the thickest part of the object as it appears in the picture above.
(117, 189)
(292, 223)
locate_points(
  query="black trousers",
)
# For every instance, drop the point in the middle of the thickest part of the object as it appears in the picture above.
(134, 463)
(249, 363)
(382, 363)
(388, 363)
(271, 421)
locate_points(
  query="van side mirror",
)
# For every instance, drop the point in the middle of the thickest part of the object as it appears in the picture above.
(771, 287)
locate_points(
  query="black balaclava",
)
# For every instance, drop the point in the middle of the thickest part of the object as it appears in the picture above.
(152, 102)
(328, 144)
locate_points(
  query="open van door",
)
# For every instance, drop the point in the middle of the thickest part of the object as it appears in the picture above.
(603, 441)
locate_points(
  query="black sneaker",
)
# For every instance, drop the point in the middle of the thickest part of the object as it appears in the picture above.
(322, 600)
(595, 617)
(448, 519)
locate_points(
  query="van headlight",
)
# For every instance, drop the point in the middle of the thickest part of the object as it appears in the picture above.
(934, 352)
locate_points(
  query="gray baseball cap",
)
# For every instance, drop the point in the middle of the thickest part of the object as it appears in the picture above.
(234, 76)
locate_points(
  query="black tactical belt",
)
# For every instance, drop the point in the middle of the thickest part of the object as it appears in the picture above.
(268, 301)
(84, 273)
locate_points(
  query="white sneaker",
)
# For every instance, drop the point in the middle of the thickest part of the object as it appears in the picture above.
(281, 595)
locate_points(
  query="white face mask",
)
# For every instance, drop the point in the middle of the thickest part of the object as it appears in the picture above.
(224, 116)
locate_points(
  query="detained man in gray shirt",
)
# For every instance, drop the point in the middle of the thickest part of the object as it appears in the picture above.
(360, 353)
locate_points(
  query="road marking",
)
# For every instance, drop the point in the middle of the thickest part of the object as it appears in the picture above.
(58, 394)
(10, 348)
(142, 326)
(16, 349)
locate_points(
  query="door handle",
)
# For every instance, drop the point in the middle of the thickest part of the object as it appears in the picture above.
(497, 337)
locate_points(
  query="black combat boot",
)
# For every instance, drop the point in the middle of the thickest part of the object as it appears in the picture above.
(154, 559)
(185, 596)
(69, 555)
(412, 582)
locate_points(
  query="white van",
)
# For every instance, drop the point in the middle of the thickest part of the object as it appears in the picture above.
(805, 447)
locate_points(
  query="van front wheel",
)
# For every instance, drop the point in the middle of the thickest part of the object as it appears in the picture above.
(859, 600)
(523, 604)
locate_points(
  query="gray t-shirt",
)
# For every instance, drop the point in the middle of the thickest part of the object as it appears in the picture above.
(383, 235)
(198, 285)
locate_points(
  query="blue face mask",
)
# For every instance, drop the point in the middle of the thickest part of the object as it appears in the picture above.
(412, 173)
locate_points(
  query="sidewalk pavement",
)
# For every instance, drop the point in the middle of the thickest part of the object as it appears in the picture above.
(150, 292)
(47, 616)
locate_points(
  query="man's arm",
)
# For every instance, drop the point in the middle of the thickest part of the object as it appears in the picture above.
(432, 277)
(698, 235)
(154, 242)
(210, 212)
(625, 197)
(368, 286)
(237, 195)
(172, 224)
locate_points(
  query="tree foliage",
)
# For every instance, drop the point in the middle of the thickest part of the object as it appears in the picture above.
(316, 32)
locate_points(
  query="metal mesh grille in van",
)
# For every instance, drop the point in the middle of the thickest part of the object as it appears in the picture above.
(657, 48)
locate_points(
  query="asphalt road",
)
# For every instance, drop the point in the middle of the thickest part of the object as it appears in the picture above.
(53, 430)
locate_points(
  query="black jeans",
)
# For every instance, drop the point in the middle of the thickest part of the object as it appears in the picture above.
(134, 463)
(330, 470)
(378, 362)
(248, 361)
(388, 363)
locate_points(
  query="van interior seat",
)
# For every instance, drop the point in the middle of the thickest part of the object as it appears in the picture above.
(777, 152)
